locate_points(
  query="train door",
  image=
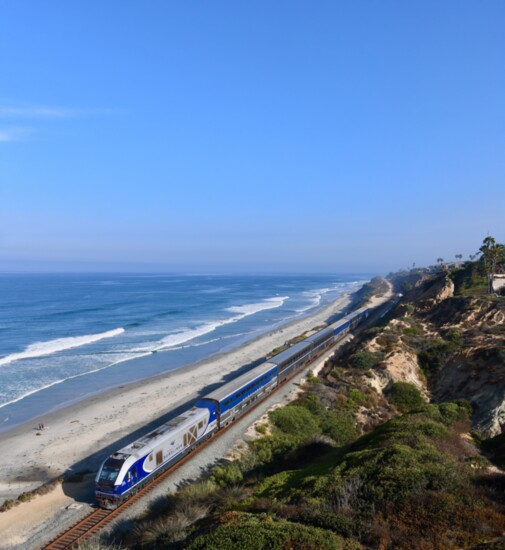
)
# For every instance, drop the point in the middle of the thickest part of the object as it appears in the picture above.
(190, 436)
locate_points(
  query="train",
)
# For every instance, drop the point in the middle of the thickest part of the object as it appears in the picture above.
(128, 470)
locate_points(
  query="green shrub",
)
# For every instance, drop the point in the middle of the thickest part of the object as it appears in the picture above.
(295, 421)
(406, 397)
(395, 472)
(344, 525)
(311, 379)
(264, 532)
(357, 397)
(261, 428)
(365, 360)
(307, 418)
(198, 492)
(227, 475)
(454, 335)
(269, 449)
(450, 412)
(412, 331)
(340, 426)
(434, 358)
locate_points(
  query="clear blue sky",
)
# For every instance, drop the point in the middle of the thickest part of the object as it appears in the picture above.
(250, 136)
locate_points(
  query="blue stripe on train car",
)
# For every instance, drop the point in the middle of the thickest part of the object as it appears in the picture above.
(341, 328)
(240, 394)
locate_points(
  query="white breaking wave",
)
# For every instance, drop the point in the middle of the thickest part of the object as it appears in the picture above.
(183, 336)
(40, 349)
(250, 309)
(315, 297)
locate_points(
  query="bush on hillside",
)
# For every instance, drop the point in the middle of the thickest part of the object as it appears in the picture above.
(434, 358)
(406, 397)
(295, 421)
(260, 532)
(340, 426)
(366, 360)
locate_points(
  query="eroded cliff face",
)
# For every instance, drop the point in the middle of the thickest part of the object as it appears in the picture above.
(436, 293)
(476, 369)
(400, 364)
(449, 346)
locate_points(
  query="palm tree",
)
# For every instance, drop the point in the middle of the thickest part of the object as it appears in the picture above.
(493, 253)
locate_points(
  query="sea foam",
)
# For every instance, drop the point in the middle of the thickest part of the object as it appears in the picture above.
(185, 335)
(40, 349)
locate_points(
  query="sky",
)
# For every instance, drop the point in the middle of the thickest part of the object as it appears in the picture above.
(286, 136)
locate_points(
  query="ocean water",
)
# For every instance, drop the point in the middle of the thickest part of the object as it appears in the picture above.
(67, 336)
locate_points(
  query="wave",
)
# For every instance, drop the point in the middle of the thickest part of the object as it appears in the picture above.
(316, 296)
(72, 312)
(251, 309)
(40, 349)
(212, 340)
(185, 335)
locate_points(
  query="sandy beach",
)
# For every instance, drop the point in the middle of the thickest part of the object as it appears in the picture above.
(79, 437)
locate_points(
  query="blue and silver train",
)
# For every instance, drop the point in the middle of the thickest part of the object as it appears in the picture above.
(134, 466)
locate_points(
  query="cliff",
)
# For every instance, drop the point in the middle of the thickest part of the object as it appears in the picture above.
(456, 338)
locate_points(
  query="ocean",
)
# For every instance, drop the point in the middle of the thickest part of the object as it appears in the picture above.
(64, 337)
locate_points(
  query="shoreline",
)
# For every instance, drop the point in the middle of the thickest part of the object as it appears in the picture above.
(80, 435)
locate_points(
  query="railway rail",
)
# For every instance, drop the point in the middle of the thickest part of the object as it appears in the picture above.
(99, 518)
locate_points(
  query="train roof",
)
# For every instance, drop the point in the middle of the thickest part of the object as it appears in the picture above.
(285, 355)
(328, 331)
(224, 391)
(167, 430)
(340, 323)
(356, 313)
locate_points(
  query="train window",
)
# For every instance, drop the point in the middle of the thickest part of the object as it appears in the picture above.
(200, 424)
(150, 458)
(159, 458)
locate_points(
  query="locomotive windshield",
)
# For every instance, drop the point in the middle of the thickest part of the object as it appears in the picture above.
(110, 471)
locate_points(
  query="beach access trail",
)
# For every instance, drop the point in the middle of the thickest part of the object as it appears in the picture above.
(79, 437)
